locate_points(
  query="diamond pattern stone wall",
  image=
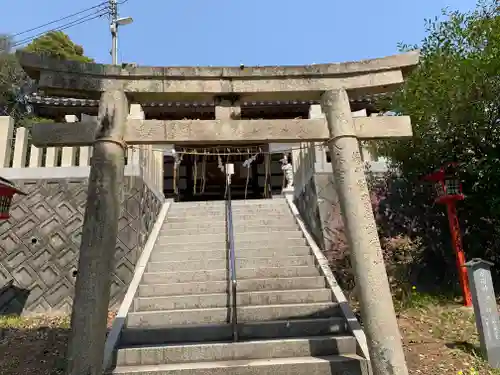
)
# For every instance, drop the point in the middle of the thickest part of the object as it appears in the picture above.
(39, 244)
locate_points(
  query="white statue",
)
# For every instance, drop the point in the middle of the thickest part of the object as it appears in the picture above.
(177, 158)
(287, 169)
(219, 164)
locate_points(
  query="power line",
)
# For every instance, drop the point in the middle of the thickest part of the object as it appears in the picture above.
(63, 18)
(63, 27)
(104, 8)
(68, 25)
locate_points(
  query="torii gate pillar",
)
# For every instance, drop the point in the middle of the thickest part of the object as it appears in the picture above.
(377, 308)
(100, 227)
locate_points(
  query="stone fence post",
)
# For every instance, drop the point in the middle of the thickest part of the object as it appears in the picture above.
(6, 138)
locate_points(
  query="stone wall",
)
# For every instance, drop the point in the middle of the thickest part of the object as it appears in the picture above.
(39, 244)
(307, 204)
(329, 210)
(319, 207)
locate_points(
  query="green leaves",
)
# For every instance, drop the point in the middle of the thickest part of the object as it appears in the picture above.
(58, 45)
(14, 84)
(12, 79)
(453, 98)
(453, 95)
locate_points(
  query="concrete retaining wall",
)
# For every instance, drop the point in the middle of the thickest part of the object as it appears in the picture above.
(39, 244)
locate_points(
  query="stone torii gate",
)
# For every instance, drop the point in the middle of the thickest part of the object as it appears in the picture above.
(333, 84)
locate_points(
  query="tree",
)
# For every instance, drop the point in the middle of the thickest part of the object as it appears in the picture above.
(58, 44)
(453, 98)
(14, 83)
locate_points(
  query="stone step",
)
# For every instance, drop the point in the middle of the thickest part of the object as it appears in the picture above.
(242, 237)
(275, 252)
(152, 319)
(203, 352)
(167, 244)
(234, 205)
(238, 202)
(238, 229)
(331, 365)
(214, 264)
(213, 287)
(185, 255)
(236, 210)
(237, 217)
(184, 276)
(222, 274)
(188, 211)
(221, 218)
(192, 301)
(257, 222)
(246, 331)
(270, 201)
(198, 301)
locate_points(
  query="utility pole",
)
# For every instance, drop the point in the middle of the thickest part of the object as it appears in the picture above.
(113, 12)
(115, 22)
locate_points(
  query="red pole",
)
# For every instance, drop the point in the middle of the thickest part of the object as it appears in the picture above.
(456, 239)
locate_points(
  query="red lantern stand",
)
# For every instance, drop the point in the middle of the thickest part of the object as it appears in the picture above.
(449, 191)
(7, 192)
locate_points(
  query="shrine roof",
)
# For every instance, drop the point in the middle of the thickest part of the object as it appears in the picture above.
(44, 100)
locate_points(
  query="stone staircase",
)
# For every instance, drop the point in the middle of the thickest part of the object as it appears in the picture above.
(288, 320)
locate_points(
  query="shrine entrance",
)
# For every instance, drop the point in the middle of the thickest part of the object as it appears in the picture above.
(199, 177)
(230, 91)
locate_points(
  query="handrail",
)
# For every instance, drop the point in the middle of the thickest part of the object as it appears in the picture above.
(232, 259)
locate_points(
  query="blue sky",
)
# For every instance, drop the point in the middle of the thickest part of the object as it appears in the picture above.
(230, 32)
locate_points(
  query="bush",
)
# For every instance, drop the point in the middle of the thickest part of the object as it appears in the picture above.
(414, 238)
